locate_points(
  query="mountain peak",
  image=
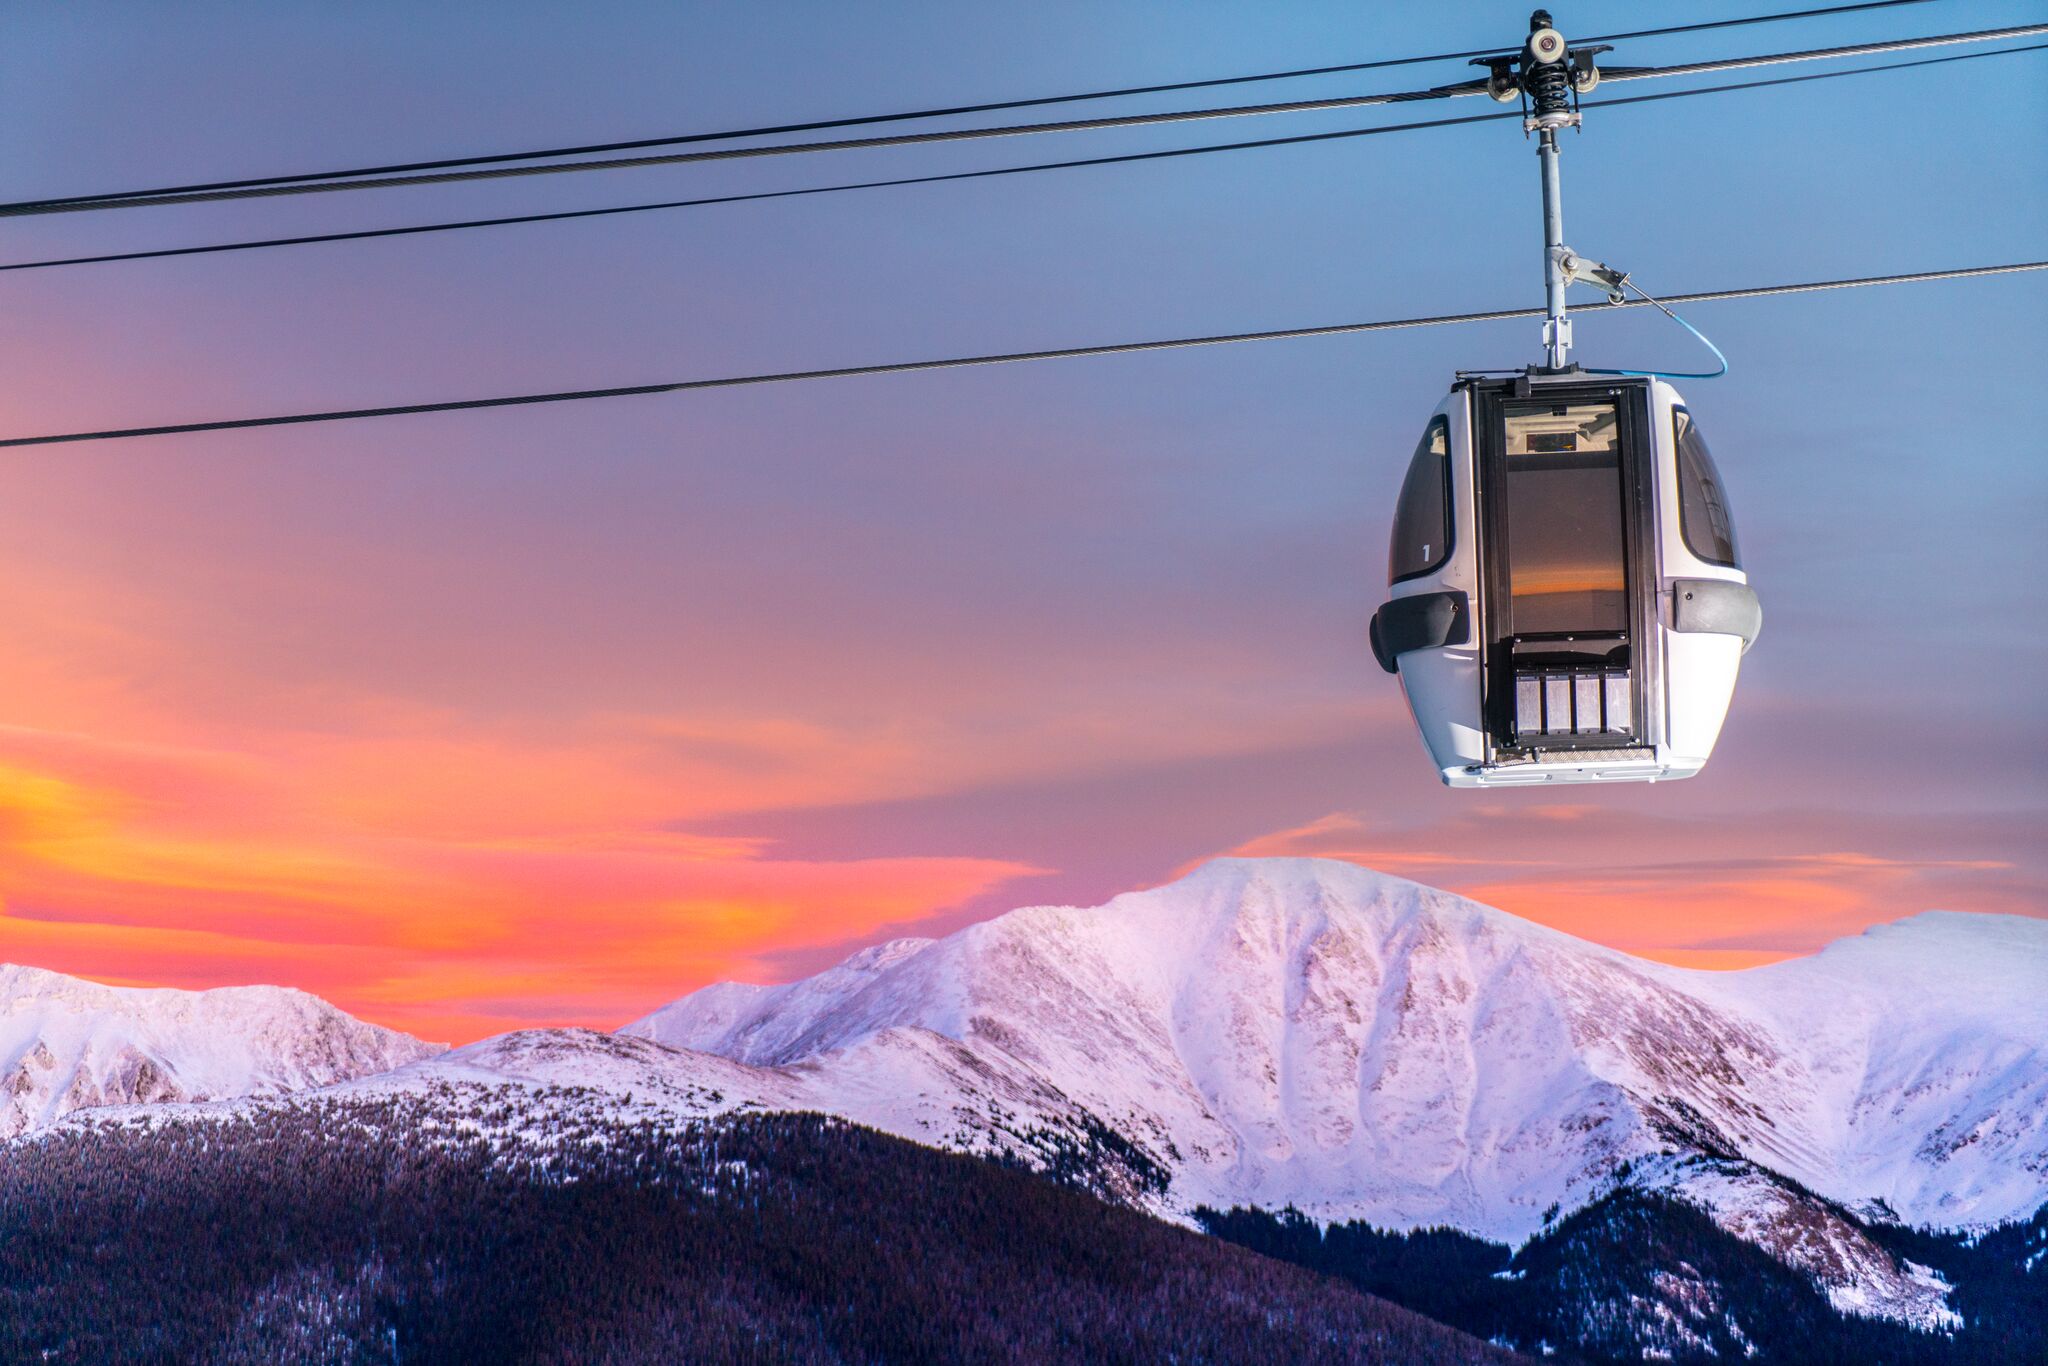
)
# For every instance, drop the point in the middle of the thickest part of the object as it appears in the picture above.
(19, 981)
(67, 1043)
(875, 957)
(1294, 875)
(1314, 1032)
(1300, 902)
(1303, 882)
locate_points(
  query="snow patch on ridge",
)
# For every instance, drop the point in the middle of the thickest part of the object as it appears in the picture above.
(67, 1044)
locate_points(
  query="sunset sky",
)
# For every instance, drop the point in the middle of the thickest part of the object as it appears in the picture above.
(549, 715)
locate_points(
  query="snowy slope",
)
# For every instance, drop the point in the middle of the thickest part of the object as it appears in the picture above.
(1264, 1033)
(1303, 1032)
(1914, 1081)
(910, 1082)
(68, 1044)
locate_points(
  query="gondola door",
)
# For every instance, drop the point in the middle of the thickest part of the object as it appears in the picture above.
(1569, 565)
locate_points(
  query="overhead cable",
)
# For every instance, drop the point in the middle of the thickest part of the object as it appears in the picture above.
(564, 214)
(976, 134)
(590, 149)
(1003, 358)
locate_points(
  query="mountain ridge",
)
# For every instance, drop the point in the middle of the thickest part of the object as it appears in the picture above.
(68, 1043)
(1685, 1042)
(1313, 1035)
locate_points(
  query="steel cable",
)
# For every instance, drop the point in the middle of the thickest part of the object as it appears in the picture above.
(1125, 158)
(822, 125)
(38, 207)
(1003, 358)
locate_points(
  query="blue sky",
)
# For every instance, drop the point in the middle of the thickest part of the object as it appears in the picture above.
(1030, 633)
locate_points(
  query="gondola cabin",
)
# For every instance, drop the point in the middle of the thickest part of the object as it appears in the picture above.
(1567, 601)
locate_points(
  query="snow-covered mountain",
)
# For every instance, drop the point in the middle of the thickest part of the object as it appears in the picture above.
(1314, 1033)
(1311, 1033)
(1261, 1033)
(68, 1044)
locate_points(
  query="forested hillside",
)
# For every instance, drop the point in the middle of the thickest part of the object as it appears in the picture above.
(1639, 1272)
(380, 1231)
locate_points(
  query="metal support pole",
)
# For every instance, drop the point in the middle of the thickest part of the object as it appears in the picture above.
(1557, 328)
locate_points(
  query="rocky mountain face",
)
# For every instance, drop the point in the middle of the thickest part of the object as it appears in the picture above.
(68, 1044)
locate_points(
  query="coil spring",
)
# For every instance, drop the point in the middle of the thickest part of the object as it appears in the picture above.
(1549, 86)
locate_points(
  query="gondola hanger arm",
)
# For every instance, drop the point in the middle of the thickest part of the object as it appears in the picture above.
(1578, 268)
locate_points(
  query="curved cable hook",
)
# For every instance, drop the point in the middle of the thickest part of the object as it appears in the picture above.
(1670, 374)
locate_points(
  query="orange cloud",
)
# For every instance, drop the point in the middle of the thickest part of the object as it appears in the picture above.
(427, 869)
(185, 800)
(576, 908)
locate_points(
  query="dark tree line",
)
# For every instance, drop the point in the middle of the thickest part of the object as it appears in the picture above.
(1582, 1287)
(403, 1231)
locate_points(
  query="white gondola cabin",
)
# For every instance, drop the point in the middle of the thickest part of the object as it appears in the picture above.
(1567, 600)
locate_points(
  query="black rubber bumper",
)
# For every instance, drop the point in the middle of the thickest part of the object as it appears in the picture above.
(1426, 621)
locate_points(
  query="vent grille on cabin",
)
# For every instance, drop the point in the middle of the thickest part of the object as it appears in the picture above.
(1572, 701)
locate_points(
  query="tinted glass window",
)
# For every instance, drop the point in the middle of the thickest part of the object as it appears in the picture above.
(1702, 505)
(1422, 517)
(1566, 573)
